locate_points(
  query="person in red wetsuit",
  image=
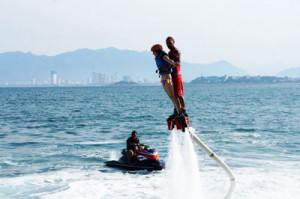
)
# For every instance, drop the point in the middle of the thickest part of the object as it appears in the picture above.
(174, 55)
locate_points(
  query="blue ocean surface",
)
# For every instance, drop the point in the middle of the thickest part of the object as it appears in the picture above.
(54, 141)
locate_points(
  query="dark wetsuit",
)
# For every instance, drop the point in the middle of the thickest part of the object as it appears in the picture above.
(131, 140)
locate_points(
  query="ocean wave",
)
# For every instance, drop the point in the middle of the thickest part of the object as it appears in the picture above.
(100, 142)
(20, 144)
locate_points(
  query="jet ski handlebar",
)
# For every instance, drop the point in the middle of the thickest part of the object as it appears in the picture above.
(142, 146)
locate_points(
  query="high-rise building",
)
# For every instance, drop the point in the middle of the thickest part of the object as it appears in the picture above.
(225, 78)
(114, 78)
(107, 80)
(98, 79)
(101, 79)
(53, 78)
(95, 79)
(89, 81)
(33, 82)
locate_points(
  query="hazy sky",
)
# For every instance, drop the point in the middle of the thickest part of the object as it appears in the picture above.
(259, 36)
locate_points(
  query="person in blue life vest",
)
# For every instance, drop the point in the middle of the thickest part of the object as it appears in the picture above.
(163, 63)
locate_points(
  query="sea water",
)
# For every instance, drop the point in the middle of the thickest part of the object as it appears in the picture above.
(54, 142)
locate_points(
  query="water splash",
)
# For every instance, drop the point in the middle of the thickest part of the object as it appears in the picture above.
(183, 176)
(113, 155)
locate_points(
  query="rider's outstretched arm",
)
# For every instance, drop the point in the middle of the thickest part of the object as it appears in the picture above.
(170, 61)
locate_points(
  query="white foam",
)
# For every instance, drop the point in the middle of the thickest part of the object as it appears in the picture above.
(73, 184)
(252, 183)
(113, 155)
(80, 189)
(100, 142)
(9, 162)
(183, 177)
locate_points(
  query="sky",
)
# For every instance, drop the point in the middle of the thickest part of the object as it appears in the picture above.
(260, 36)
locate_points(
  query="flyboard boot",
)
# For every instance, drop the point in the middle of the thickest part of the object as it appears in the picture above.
(179, 120)
(171, 117)
(184, 112)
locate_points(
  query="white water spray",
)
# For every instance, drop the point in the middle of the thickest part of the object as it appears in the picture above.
(113, 155)
(183, 176)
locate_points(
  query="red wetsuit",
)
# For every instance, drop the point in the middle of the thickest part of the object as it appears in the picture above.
(176, 74)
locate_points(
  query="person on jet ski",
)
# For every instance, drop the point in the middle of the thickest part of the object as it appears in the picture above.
(132, 143)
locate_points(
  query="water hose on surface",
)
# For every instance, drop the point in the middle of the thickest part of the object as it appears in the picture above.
(220, 162)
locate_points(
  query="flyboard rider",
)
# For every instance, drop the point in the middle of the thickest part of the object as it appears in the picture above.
(165, 67)
(174, 55)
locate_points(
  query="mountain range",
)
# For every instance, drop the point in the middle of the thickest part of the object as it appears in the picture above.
(292, 72)
(79, 65)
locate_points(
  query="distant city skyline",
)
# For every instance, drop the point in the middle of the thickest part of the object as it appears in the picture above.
(102, 79)
(76, 68)
(259, 36)
(96, 79)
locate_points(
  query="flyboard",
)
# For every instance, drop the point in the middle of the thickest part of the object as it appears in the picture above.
(183, 124)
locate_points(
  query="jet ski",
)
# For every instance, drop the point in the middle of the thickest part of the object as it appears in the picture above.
(147, 159)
